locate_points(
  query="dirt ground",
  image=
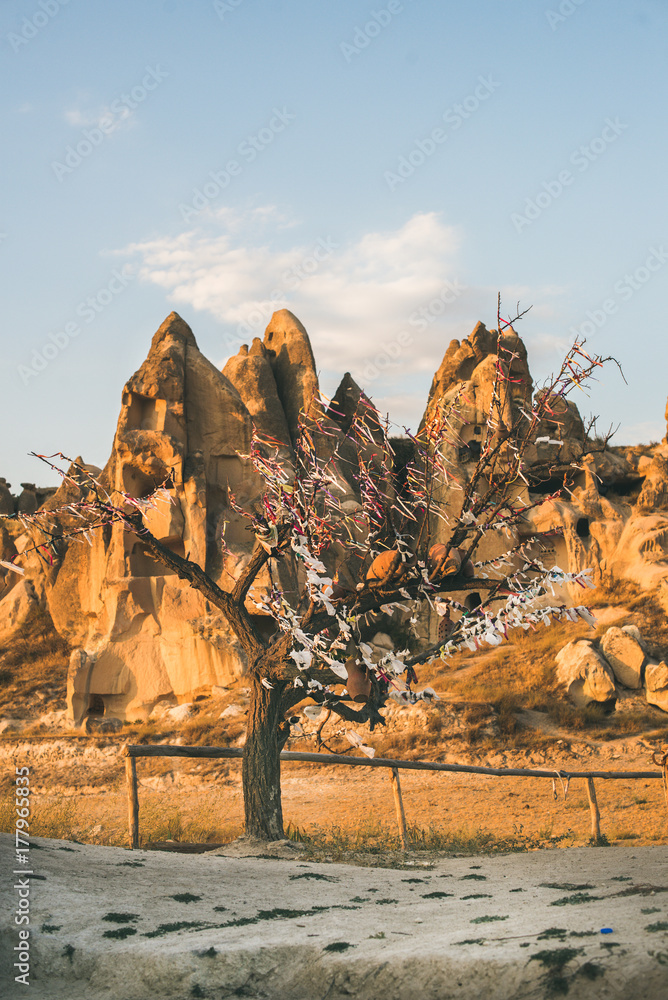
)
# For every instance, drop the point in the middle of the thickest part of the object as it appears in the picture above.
(79, 792)
(112, 924)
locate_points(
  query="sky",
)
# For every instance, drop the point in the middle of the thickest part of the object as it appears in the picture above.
(383, 170)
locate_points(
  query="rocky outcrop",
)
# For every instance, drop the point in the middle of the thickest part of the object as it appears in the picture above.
(138, 630)
(251, 373)
(560, 436)
(140, 636)
(464, 383)
(622, 655)
(623, 650)
(654, 493)
(291, 358)
(656, 685)
(6, 498)
(585, 675)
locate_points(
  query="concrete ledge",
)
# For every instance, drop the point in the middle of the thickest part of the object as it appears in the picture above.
(499, 928)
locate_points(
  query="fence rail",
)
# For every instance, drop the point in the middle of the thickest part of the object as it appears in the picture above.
(132, 752)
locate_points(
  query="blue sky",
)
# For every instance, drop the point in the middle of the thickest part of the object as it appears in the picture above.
(380, 169)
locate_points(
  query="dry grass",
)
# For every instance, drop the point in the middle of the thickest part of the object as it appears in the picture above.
(35, 663)
(336, 843)
(522, 675)
(103, 819)
(413, 744)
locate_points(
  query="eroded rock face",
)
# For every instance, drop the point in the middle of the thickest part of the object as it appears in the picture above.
(141, 636)
(562, 423)
(656, 685)
(654, 493)
(250, 372)
(623, 650)
(291, 358)
(139, 632)
(585, 675)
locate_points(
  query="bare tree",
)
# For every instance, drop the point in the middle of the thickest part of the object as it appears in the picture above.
(359, 563)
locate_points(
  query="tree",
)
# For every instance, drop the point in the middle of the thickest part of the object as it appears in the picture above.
(411, 538)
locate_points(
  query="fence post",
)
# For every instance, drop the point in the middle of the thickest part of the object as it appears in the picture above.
(133, 800)
(399, 806)
(593, 808)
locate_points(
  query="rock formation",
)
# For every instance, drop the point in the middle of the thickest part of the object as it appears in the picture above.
(585, 675)
(141, 637)
(595, 672)
(656, 685)
(622, 648)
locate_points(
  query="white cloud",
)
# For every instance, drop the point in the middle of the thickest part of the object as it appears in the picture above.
(387, 303)
(110, 121)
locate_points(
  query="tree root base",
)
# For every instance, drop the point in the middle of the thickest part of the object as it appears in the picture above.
(255, 847)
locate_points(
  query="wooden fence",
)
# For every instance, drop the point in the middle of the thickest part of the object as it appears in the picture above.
(132, 752)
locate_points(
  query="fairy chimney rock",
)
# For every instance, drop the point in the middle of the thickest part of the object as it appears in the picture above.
(291, 358)
(473, 361)
(251, 374)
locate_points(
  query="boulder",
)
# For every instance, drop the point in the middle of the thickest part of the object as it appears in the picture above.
(623, 650)
(381, 645)
(231, 712)
(656, 685)
(180, 712)
(16, 607)
(218, 691)
(160, 709)
(28, 503)
(585, 675)
(662, 594)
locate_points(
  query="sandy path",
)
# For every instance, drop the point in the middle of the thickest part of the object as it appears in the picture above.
(292, 930)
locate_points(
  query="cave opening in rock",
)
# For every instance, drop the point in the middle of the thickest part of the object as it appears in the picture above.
(95, 705)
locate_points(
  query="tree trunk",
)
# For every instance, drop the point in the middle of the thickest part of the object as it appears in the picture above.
(261, 768)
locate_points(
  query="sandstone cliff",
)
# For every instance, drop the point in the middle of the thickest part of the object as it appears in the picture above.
(140, 635)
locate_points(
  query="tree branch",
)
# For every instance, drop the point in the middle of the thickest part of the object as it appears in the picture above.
(235, 612)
